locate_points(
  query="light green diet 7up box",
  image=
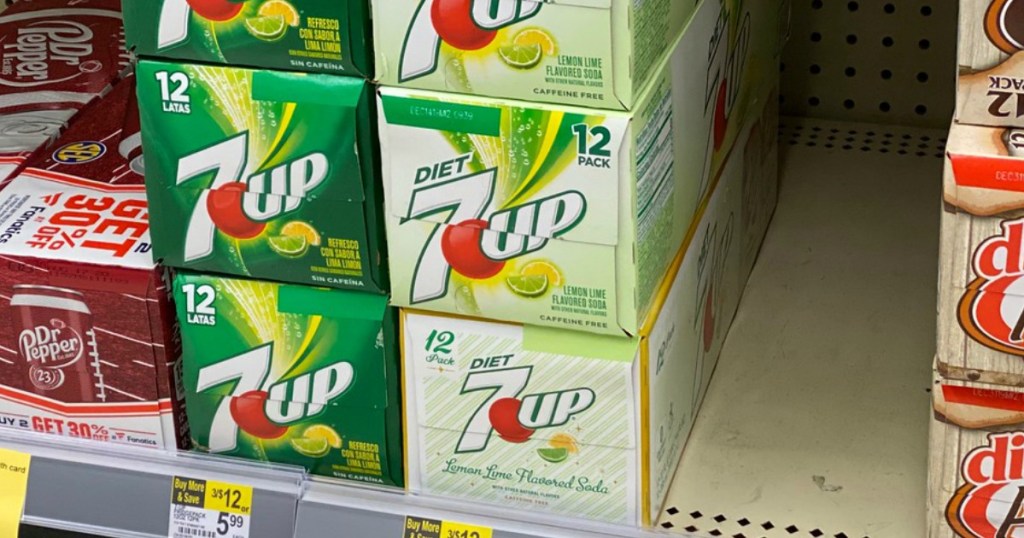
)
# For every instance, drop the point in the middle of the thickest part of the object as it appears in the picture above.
(266, 174)
(562, 216)
(583, 425)
(292, 374)
(595, 53)
(320, 36)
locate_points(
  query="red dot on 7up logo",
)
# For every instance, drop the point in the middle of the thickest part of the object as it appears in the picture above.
(262, 407)
(462, 24)
(477, 248)
(175, 16)
(516, 419)
(239, 203)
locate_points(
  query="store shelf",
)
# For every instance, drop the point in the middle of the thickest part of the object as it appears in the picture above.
(816, 420)
(123, 492)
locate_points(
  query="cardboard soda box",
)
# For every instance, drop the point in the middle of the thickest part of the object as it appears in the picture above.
(88, 343)
(263, 173)
(319, 36)
(593, 53)
(977, 457)
(292, 374)
(57, 57)
(584, 425)
(562, 216)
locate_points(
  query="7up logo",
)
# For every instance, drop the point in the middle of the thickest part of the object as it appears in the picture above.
(475, 240)
(237, 202)
(261, 406)
(513, 417)
(462, 24)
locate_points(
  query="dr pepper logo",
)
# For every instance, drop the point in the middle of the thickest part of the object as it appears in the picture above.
(989, 504)
(992, 309)
(1004, 25)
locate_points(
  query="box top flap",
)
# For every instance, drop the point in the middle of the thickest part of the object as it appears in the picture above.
(986, 167)
(290, 136)
(531, 171)
(293, 343)
(496, 389)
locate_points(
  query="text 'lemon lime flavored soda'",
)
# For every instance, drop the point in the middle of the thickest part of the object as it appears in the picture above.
(563, 216)
(595, 53)
(264, 174)
(292, 374)
(320, 36)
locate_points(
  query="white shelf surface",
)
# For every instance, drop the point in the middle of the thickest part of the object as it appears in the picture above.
(816, 421)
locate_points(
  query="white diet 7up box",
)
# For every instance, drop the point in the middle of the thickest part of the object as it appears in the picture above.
(596, 53)
(584, 425)
(560, 216)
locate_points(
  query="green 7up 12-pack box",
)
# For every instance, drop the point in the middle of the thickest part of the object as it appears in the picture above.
(263, 173)
(597, 53)
(562, 216)
(292, 374)
(583, 425)
(319, 36)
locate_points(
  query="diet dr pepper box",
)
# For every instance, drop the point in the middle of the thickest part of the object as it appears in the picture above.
(320, 36)
(56, 58)
(88, 343)
(292, 374)
(991, 81)
(586, 425)
(595, 53)
(562, 216)
(266, 174)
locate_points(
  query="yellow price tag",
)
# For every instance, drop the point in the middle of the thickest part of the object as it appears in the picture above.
(228, 498)
(13, 487)
(451, 529)
(418, 527)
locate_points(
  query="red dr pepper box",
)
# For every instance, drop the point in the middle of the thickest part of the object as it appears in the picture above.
(57, 56)
(88, 343)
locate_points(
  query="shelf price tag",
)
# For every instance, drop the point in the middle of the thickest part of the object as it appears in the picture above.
(208, 509)
(13, 487)
(418, 527)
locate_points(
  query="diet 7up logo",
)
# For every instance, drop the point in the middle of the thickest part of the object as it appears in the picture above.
(239, 203)
(262, 407)
(463, 24)
(175, 16)
(476, 242)
(516, 419)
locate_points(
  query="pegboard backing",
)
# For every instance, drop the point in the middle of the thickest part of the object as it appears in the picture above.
(879, 61)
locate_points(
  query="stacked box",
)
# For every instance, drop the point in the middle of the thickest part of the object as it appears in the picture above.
(265, 194)
(318, 36)
(263, 174)
(57, 57)
(89, 347)
(579, 424)
(292, 374)
(560, 216)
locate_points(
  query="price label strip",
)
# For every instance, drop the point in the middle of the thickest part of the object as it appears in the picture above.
(208, 509)
(13, 488)
(418, 527)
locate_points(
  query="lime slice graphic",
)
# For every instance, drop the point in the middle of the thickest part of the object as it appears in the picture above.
(289, 246)
(546, 268)
(313, 448)
(297, 227)
(528, 285)
(536, 36)
(319, 431)
(280, 8)
(521, 56)
(553, 455)
(266, 28)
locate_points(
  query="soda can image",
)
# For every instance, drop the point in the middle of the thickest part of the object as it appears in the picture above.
(57, 343)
